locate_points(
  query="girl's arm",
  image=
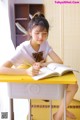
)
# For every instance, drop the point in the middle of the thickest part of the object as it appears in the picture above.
(7, 64)
(12, 71)
(6, 69)
(55, 57)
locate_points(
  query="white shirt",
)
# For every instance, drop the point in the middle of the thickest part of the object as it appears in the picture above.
(23, 53)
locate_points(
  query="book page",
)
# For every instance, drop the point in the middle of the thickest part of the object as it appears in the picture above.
(44, 72)
(59, 68)
(53, 69)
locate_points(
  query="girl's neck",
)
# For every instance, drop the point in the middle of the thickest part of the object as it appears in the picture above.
(35, 46)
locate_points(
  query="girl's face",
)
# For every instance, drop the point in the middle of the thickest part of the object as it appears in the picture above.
(39, 34)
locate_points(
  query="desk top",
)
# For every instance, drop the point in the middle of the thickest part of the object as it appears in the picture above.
(65, 79)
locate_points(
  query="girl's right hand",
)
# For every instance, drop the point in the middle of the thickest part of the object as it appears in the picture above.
(34, 70)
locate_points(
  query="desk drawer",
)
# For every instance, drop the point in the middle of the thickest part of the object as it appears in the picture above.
(36, 91)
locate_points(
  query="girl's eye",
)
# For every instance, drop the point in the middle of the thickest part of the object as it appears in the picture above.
(37, 33)
(41, 33)
(45, 33)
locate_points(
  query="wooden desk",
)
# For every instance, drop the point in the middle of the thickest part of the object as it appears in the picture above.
(26, 87)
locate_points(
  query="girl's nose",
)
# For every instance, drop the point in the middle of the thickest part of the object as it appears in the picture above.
(40, 35)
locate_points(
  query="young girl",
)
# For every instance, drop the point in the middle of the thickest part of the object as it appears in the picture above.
(34, 53)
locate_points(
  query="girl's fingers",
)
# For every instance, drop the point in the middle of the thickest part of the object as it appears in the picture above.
(36, 65)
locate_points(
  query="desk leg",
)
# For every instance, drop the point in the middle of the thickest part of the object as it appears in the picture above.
(29, 116)
(50, 109)
(11, 109)
(64, 102)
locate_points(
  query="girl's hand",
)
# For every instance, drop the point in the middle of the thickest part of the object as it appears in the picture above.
(34, 70)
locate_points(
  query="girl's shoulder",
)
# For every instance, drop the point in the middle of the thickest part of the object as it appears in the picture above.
(45, 43)
(25, 43)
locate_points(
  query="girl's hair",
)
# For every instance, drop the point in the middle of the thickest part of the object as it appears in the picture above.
(38, 19)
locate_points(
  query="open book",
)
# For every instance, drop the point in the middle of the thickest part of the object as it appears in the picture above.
(53, 69)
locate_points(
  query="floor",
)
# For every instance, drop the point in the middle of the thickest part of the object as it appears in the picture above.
(41, 109)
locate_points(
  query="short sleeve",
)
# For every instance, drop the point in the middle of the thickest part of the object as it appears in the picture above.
(49, 48)
(18, 57)
(22, 56)
(46, 48)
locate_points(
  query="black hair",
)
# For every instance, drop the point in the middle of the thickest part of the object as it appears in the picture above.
(38, 19)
